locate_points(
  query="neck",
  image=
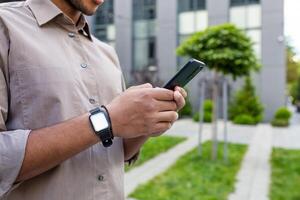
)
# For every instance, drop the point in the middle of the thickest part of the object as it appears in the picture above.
(68, 10)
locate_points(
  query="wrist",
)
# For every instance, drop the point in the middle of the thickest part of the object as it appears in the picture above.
(113, 121)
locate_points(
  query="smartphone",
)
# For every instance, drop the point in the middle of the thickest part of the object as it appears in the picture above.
(185, 74)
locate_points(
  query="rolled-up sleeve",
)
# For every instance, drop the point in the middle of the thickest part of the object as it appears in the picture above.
(12, 142)
(12, 150)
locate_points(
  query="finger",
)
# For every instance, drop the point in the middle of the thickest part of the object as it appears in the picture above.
(167, 116)
(146, 85)
(162, 94)
(156, 134)
(179, 99)
(182, 91)
(166, 105)
(161, 127)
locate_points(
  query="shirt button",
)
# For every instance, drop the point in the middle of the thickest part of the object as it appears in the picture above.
(83, 65)
(71, 35)
(100, 178)
(92, 101)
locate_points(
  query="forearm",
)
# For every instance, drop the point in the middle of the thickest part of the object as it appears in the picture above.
(48, 147)
(132, 146)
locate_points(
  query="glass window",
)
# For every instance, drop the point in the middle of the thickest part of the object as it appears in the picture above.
(144, 9)
(187, 23)
(255, 35)
(201, 20)
(243, 2)
(254, 16)
(238, 16)
(144, 33)
(140, 54)
(192, 17)
(246, 14)
(104, 28)
(188, 5)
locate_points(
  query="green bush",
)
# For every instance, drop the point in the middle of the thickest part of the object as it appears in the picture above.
(283, 113)
(208, 105)
(244, 120)
(246, 103)
(280, 123)
(282, 117)
(208, 109)
(207, 117)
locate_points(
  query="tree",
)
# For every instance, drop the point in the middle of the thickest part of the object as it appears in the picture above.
(226, 50)
(295, 93)
(292, 66)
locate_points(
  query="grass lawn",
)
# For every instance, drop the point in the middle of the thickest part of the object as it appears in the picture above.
(192, 178)
(285, 174)
(155, 146)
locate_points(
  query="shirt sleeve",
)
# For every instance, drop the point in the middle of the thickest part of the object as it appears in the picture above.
(12, 142)
(134, 158)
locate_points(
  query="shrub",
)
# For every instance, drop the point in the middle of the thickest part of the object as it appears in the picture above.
(282, 117)
(283, 113)
(280, 123)
(208, 105)
(207, 117)
(208, 109)
(244, 120)
(245, 102)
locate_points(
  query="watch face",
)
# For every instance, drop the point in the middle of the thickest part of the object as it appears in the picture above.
(99, 122)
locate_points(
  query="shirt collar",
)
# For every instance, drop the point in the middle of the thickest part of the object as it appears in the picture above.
(44, 11)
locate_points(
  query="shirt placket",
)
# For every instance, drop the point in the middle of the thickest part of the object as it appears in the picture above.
(100, 174)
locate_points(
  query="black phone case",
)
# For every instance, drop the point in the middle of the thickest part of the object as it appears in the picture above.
(185, 74)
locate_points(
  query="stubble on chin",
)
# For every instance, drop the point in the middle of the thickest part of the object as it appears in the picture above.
(79, 5)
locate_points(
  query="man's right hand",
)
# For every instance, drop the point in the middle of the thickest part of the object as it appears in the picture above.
(142, 111)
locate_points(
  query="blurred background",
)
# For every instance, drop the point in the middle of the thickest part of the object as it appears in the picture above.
(238, 137)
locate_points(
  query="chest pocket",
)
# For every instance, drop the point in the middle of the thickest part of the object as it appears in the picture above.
(45, 94)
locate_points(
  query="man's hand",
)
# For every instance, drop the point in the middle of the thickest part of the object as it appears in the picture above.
(145, 111)
(179, 96)
(142, 111)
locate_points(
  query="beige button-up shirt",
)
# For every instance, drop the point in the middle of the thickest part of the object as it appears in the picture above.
(50, 71)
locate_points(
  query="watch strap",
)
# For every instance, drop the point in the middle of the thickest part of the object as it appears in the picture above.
(105, 135)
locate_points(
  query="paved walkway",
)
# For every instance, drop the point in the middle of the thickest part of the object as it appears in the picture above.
(253, 178)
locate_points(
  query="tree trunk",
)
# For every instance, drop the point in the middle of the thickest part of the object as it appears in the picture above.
(215, 117)
(201, 115)
(225, 118)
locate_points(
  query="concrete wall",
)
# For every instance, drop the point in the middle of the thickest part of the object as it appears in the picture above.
(123, 21)
(166, 38)
(272, 77)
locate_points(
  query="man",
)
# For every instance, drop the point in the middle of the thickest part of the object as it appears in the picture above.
(52, 72)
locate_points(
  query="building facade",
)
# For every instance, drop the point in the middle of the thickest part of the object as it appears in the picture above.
(146, 33)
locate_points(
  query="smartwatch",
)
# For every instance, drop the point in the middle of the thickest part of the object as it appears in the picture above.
(101, 124)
